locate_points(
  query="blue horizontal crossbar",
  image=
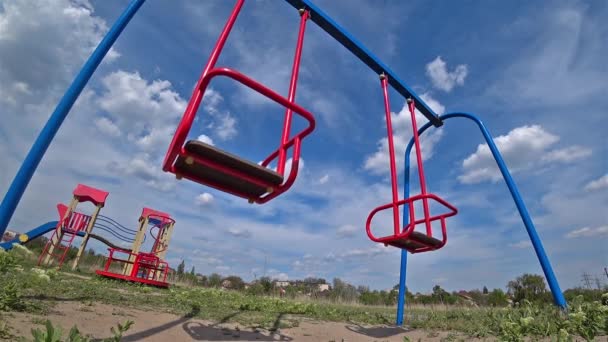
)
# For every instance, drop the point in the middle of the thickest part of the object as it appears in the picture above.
(354, 46)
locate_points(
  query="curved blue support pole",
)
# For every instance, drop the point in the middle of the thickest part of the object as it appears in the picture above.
(558, 296)
(406, 220)
(33, 158)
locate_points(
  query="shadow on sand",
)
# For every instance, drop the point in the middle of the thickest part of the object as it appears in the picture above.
(212, 332)
(376, 332)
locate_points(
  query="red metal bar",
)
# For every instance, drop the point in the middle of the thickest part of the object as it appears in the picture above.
(186, 123)
(425, 204)
(292, 92)
(295, 165)
(391, 154)
(264, 90)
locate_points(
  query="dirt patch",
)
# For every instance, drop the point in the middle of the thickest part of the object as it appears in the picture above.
(96, 320)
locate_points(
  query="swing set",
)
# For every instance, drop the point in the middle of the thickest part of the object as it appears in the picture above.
(259, 183)
(207, 165)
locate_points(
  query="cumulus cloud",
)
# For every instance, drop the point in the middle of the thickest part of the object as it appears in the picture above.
(240, 232)
(36, 53)
(146, 111)
(523, 148)
(443, 79)
(205, 139)
(347, 231)
(378, 163)
(144, 169)
(567, 155)
(204, 199)
(222, 122)
(106, 126)
(597, 184)
(588, 232)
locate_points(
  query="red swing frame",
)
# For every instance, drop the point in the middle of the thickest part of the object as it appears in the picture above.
(176, 148)
(407, 238)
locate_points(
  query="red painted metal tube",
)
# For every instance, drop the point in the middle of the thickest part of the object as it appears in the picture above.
(292, 93)
(295, 165)
(391, 154)
(425, 204)
(186, 123)
(413, 222)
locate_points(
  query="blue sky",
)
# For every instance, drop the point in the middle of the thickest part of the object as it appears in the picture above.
(535, 73)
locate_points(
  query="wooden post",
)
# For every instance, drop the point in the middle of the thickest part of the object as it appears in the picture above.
(56, 239)
(164, 245)
(139, 240)
(85, 239)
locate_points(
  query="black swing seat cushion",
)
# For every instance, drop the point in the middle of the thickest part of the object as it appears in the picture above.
(228, 160)
(414, 240)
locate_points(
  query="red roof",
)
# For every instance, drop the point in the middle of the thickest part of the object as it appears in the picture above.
(89, 194)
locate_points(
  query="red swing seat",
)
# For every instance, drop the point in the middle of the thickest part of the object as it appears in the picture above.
(407, 237)
(208, 165)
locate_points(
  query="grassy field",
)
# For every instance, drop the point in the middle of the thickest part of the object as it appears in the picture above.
(28, 289)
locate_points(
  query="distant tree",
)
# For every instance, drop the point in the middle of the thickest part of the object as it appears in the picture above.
(215, 280)
(362, 289)
(236, 282)
(528, 286)
(497, 298)
(192, 271)
(485, 290)
(267, 284)
(343, 290)
(181, 267)
(313, 280)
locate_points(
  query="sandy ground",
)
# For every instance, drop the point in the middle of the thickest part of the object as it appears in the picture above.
(97, 319)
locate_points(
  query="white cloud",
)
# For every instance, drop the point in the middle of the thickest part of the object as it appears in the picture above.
(597, 184)
(226, 126)
(588, 232)
(378, 163)
(324, 179)
(37, 53)
(522, 148)
(347, 231)
(106, 126)
(567, 155)
(280, 276)
(143, 168)
(204, 199)
(521, 244)
(239, 232)
(442, 78)
(205, 139)
(148, 111)
(222, 123)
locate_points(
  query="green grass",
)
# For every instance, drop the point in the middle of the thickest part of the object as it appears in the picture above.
(35, 290)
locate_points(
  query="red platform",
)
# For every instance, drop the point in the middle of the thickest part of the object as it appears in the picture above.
(133, 279)
(145, 266)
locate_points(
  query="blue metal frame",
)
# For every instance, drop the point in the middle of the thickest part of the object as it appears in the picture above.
(357, 48)
(558, 296)
(33, 158)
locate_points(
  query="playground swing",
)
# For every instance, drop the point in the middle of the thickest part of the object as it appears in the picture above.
(208, 165)
(408, 238)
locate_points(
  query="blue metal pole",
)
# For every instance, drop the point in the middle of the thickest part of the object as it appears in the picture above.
(33, 158)
(406, 220)
(558, 296)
